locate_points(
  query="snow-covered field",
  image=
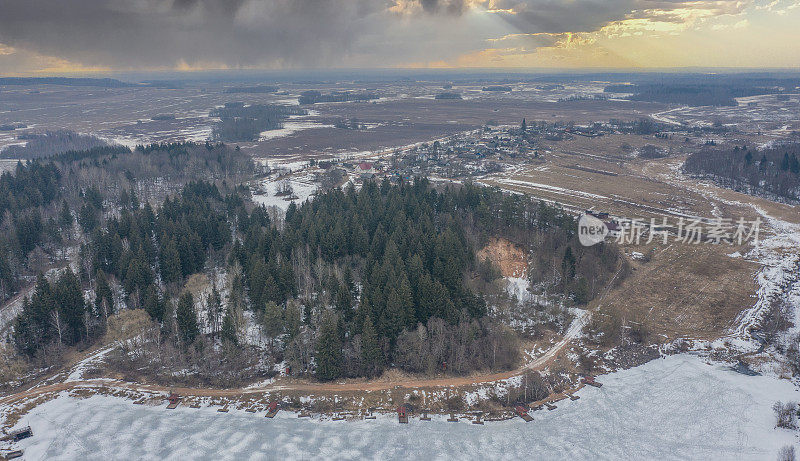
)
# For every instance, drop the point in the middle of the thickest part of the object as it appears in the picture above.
(8, 165)
(303, 189)
(673, 408)
(293, 125)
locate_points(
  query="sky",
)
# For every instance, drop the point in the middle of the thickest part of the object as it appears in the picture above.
(50, 37)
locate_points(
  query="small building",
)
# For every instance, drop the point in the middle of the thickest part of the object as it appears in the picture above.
(402, 414)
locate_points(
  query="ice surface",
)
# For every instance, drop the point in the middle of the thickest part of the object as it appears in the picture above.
(673, 408)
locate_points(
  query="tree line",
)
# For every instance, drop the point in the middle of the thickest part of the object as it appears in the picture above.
(245, 123)
(773, 170)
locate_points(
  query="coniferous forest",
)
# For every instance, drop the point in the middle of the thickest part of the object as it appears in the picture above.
(348, 284)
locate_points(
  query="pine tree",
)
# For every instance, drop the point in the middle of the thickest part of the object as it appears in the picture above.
(187, 318)
(329, 349)
(524, 127)
(371, 356)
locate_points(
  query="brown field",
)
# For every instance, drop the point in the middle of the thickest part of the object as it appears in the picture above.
(684, 291)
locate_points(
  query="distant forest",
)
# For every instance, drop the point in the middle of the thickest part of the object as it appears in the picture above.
(313, 97)
(245, 123)
(50, 143)
(774, 170)
(448, 96)
(703, 92)
(252, 89)
(66, 81)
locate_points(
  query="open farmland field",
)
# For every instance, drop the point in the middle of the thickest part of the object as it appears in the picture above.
(404, 114)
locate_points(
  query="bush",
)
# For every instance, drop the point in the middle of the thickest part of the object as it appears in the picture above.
(786, 453)
(785, 415)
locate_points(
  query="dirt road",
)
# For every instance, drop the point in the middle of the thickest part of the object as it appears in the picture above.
(376, 385)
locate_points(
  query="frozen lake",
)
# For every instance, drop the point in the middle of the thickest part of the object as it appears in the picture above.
(673, 408)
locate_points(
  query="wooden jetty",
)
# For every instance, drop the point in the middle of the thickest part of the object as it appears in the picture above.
(174, 400)
(590, 381)
(272, 409)
(522, 412)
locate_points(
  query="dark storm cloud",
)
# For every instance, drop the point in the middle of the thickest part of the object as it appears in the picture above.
(163, 32)
(446, 6)
(557, 16)
(285, 33)
(554, 16)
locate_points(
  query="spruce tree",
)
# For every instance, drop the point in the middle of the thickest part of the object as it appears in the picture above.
(153, 304)
(329, 349)
(273, 320)
(214, 309)
(170, 263)
(187, 318)
(65, 217)
(292, 318)
(104, 298)
(229, 333)
(71, 306)
(371, 356)
(343, 302)
(393, 317)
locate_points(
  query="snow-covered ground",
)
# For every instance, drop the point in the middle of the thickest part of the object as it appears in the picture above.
(780, 276)
(518, 288)
(673, 408)
(295, 124)
(8, 165)
(303, 189)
